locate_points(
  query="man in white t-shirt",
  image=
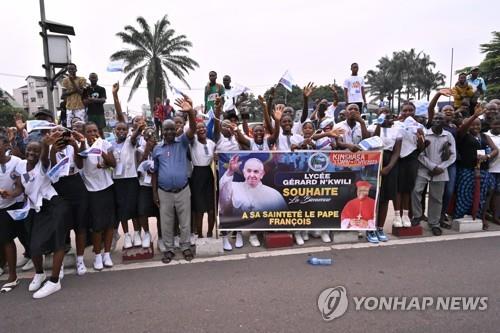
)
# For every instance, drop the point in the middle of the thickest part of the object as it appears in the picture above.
(354, 88)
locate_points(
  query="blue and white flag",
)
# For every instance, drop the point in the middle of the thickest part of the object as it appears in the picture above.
(287, 81)
(176, 91)
(32, 125)
(210, 123)
(59, 170)
(92, 151)
(116, 66)
(21, 213)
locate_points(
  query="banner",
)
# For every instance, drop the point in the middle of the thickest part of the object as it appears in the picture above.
(299, 190)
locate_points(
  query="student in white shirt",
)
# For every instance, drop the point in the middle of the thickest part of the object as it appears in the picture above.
(494, 168)
(8, 230)
(69, 185)
(283, 136)
(97, 178)
(354, 129)
(202, 180)
(126, 183)
(354, 88)
(49, 215)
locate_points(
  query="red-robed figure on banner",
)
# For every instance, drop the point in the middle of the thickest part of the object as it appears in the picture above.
(359, 213)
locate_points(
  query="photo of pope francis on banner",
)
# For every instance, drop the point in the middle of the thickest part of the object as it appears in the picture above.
(299, 190)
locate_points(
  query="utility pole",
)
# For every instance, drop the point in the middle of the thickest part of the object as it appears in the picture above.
(48, 67)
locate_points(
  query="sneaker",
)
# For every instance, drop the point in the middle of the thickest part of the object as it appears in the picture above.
(406, 221)
(28, 266)
(177, 240)
(381, 235)
(22, 262)
(397, 222)
(146, 240)
(98, 262)
(81, 269)
(305, 235)
(48, 289)
(116, 238)
(106, 258)
(127, 241)
(371, 237)
(61, 272)
(192, 239)
(254, 240)
(226, 244)
(239, 240)
(137, 239)
(37, 282)
(298, 238)
(325, 237)
(161, 246)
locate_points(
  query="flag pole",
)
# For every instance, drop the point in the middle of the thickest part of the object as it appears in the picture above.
(451, 73)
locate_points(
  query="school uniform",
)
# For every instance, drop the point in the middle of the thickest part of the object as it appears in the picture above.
(202, 178)
(49, 212)
(8, 227)
(285, 142)
(145, 203)
(126, 183)
(70, 186)
(99, 184)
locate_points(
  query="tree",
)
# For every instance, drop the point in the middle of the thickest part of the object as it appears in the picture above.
(490, 66)
(7, 114)
(405, 73)
(155, 55)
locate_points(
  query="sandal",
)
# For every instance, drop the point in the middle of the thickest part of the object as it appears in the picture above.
(167, 257)
(9, 286)
(188, 255)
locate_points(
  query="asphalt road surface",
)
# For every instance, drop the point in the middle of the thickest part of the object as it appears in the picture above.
(273, 294)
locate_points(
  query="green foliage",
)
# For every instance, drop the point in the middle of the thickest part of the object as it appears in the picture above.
(405, 73)
(489, 68)
(7, 113)
(156, 54)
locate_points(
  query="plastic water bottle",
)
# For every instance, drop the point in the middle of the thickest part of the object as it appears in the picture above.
(318, 261)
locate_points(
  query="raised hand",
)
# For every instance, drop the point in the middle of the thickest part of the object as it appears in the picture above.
(335, 132)
(261, 100)
(308, 89)
(445, 92)
(116, 87)
(234, 165)
(333, 88)
(188, 99)
(20, 124)
(52, 138)
(278, 111)
(479, 110)
(183, 104)
(78, 136)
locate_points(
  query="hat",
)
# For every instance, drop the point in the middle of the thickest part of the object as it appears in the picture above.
(327, 122)
(44, 112)
(363, 183)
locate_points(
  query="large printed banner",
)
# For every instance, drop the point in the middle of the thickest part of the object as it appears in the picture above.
(335, 190)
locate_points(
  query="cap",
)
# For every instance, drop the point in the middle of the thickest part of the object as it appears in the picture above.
(44, 112)
(363, 183)
(327, 122)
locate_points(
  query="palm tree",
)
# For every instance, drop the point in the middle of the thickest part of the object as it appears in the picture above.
(156, 55)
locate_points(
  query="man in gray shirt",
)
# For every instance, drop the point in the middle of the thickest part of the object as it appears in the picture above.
(170, 183)
(439, 154)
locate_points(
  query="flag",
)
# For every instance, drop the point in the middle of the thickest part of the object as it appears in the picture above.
(210, 123)
(21, 213)
(92, 151)
(60, 169)
(116, 66)
(32, 125)
(176, 91)
(287, 81)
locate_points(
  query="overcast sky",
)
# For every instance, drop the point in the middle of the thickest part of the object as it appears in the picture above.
(254, 41)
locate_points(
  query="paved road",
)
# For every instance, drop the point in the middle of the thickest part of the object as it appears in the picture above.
(274, 294)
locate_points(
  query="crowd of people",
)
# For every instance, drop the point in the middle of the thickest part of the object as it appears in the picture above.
(166, 171)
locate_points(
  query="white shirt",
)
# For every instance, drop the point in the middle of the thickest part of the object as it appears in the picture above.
(227, 144)
(285, 142)
(68, 151)
(495, 164)
(96, 179)
(37, 185)
(351, 136)
(241, 196)
(7, 180)
(124, 154)
(353, 85)
(296, 127)
(263, 147)
(409, 138)
(202, 154)
(389, 135)
(330, 112)
(144, 177)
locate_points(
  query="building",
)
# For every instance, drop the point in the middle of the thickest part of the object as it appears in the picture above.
(33, 96)
(8, 99)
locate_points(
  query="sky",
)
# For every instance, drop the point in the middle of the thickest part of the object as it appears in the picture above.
(254, 42)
